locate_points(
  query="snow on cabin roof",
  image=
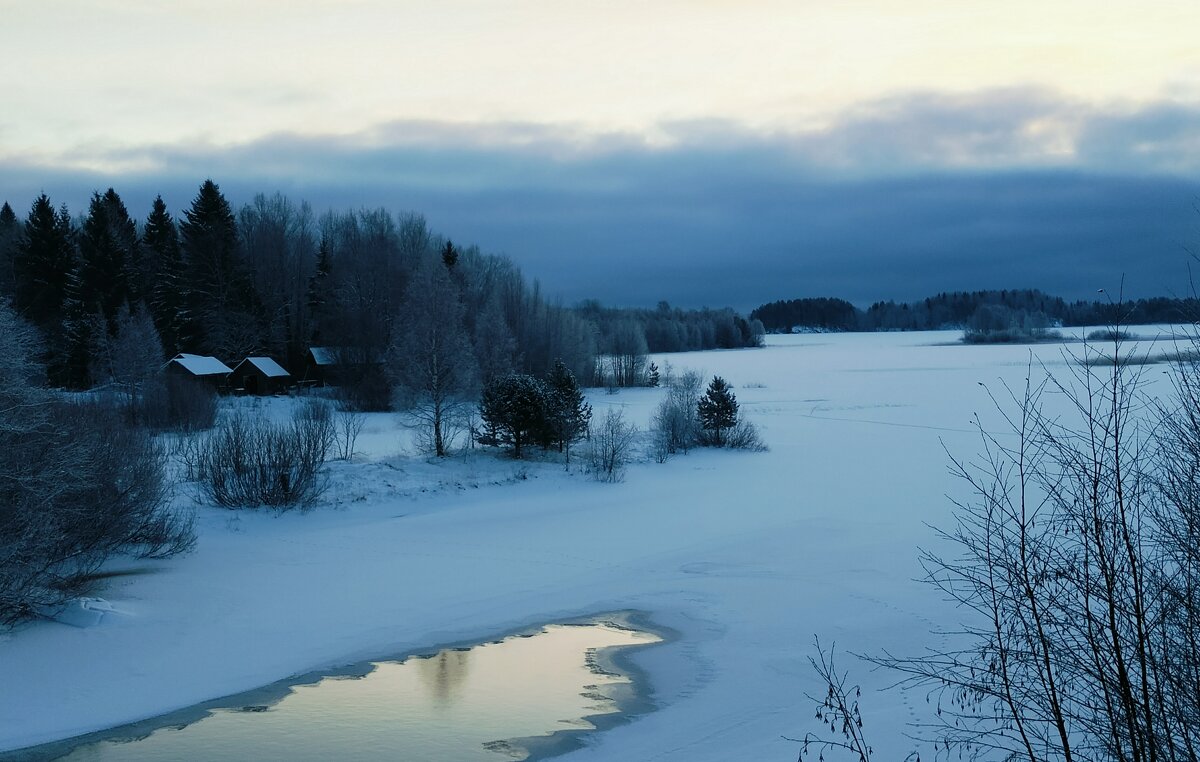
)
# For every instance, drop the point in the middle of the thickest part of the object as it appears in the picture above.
(200, 365)
(346, 356)
(266, 366)
(324, 355)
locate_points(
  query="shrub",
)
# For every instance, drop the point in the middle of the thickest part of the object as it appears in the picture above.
(77, 485)
(744, 436)
(176, 403)
(317, 416)
(349, 425)
(675, 426)
(609, 448)
(250, 462)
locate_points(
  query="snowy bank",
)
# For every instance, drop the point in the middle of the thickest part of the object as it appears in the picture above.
(745, 555)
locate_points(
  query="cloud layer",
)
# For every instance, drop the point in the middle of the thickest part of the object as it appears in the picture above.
(897, 198)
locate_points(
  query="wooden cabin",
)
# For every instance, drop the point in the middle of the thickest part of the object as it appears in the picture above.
(260, 375)
(322, 365)
(208, 370)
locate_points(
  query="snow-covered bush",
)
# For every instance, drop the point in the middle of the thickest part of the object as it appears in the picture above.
(318, 417)
(348, 426)
(744, 436)
(179, 404)
(674, 426)
(78, 485)
(610, 447)
(251, 461)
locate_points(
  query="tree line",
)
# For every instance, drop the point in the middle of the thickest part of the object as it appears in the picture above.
(957, 310)
(275, 278)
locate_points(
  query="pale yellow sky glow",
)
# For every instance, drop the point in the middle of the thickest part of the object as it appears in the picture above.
(88, 76)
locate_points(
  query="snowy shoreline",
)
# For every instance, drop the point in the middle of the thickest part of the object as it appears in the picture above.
(744, 555)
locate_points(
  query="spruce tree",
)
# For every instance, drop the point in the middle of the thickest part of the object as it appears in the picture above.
(107, 277)
(513, 410)
(109, 274)
(449, 255)
(160, 244)
(10, 232)
(219, 304)
(43, 262)
(320, 294)
(569, 413)
(717, 411)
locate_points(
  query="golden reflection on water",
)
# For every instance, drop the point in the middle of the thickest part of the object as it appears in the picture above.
(459, 704)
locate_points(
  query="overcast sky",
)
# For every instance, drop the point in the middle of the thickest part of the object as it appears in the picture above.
(704, 152)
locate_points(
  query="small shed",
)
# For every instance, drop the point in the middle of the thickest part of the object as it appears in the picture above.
(321, 365)
(210, 370)
(260, 375)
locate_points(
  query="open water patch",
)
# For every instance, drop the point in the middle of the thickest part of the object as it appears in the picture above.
(526, 696)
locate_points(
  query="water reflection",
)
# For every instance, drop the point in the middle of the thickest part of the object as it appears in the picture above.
(444, 674)
(454, 705)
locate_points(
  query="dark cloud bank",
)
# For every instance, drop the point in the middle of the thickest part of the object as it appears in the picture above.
(726, 218)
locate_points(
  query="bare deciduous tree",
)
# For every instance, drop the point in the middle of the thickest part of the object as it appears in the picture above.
(610, 446)
(676, 425)
(1077, 560)
(432, 360)
(131, 358)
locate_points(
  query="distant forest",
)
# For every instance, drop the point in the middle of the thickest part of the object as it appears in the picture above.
(959, 309)
(274, 278)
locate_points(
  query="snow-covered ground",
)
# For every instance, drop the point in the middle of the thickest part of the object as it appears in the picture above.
(745, 555)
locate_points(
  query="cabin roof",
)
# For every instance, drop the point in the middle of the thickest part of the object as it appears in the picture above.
(324, 355)
(201, 365)
(266, 366)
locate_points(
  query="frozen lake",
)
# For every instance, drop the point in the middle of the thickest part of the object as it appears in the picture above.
(745, 555)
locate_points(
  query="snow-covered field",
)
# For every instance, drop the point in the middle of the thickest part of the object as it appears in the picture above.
(745, 555)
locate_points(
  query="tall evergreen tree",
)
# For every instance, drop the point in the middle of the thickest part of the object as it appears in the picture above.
(449, 255)
(10, 234)
(164, 262)
(108, 275)
(717, 411)
(320, 293)
(219, 303)
(44, 260)
(569, 413)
